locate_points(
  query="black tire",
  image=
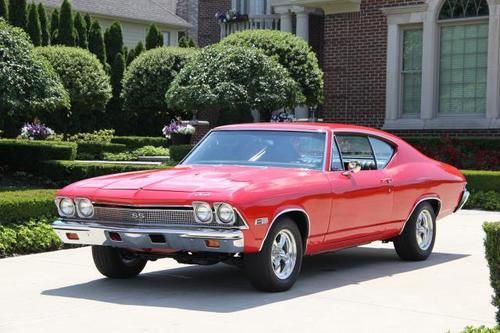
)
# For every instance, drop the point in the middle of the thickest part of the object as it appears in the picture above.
(259, 267)
(117, 263)
(407, 245)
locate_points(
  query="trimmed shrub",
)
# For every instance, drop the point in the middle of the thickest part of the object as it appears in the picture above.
(113, 41)
(233, 78)
(488, 200)
(481, 329)
(87, 83)
(96, 42)
(80, 31)
(462, 152)
(28, 84)
(54, 26)
(33, 28)
(66, 172)
(19, 206)
(480, 180)
(66, 33)
(492, 245)
(292, 52)
(17, 13)
(35, 236)
(96, 150)
(178, 152)
(154, 38)
(144, 85)
(44, 25)
(134, 142)
(20, 155)
(3, 9)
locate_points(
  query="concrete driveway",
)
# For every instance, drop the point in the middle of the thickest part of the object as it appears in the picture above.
(366, 289)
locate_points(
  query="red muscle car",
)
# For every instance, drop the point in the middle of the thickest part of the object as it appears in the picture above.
(262, 196)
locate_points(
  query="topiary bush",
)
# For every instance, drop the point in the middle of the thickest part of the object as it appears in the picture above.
(86, 81)
(18, 206)
(28, 84)
(481, 180)
(97, 150)
(492, 245)
(233, 78)
(144, 85)
(134, 142)
(292, 52)
(178, 152)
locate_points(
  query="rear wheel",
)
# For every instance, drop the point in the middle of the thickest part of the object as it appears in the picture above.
(277, 266)
(417, 239)
(117, 263)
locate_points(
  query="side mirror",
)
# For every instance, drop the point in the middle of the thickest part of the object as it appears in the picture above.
(352, 167)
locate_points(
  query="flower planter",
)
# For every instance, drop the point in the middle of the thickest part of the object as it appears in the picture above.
(180, 139)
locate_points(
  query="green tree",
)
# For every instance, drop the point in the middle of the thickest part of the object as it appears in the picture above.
(33, 27)
(44, 27)
(88, 23)
(114, 42)
(144, 85)
(54, 27)
(139, 48)
(81, 31)
(186, 41)
(3, 9)
(17, 13)
(87, 83)
(28, 84)
(292, 52)
(130, 57)
(66, 35)
(114, 107)
(153, 37)
(233, 78)
(96, 42)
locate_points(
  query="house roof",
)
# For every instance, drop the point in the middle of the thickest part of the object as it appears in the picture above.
(133, 10)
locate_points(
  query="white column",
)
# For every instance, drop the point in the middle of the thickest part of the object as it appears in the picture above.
(429, 78)
(392, 78)
(286, 22)
(492, 93)
(303, 25)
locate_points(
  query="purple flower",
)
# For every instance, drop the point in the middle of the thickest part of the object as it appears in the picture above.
(178, 128)
(35, 131)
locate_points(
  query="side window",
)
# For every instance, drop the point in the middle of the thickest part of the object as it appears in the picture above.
(383, 152)
(356, 148)
(336, 160)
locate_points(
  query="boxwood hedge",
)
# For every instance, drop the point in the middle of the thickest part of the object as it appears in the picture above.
(96, 150)
(134, 142)
(178, 152)
(492, 245)
(19, 206)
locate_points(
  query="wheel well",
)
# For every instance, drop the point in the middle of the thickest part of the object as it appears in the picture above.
(436, 205)
(302, 221)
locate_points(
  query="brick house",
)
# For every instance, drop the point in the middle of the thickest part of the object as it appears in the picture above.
(408, 66)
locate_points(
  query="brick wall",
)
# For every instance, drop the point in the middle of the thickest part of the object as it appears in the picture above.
(208, 27)
(354, 62)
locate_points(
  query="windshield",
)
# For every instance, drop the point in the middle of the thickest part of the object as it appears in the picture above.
(261, 148)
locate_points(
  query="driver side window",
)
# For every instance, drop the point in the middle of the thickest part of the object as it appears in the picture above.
(356, 148)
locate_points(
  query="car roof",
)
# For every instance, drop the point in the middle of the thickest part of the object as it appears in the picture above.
(312, 126)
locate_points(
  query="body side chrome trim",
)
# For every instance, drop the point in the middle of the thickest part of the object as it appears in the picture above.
(415, 206)
(282, 213)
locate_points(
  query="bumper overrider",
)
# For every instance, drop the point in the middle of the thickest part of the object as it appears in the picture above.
(191, 239)
(463, 199)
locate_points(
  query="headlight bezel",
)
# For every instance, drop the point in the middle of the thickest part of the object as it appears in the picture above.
(227, 222)
(202, 204)
(59, 201)
(78, 202)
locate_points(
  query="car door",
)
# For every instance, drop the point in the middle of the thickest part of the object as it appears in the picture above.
(361, 202)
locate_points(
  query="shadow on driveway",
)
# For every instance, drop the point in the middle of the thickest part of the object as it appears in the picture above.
(224, 289)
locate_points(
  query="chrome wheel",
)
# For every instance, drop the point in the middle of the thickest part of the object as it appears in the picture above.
(424, 229)
(283, 254)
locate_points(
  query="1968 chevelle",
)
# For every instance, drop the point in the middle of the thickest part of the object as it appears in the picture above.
(262, 196)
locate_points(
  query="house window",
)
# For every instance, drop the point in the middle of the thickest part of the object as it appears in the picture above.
(166, 38)
(463, 57)
(242, 6)
(411, 71)
(251, 7)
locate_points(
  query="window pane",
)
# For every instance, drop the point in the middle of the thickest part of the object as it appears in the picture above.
(356, 148)
(453, 9)
(383, 152)
(412, 71)
(463, 67)
(336, 161)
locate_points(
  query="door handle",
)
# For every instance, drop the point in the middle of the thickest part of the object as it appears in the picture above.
(386, 180)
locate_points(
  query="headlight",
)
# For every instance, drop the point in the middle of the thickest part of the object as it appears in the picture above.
(66, 207)
(84, 207)
(225, 214)
(202, 212)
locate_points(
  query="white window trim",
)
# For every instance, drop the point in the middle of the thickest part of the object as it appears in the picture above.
(426, 15)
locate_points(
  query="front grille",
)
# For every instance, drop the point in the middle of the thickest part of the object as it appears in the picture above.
(151, 217)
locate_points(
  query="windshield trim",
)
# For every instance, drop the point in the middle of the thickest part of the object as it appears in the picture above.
(324, 131)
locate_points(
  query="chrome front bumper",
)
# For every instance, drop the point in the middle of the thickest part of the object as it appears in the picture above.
(463, 199)
(181, 239)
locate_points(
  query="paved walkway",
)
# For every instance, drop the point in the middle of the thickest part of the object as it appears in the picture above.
(365, 289)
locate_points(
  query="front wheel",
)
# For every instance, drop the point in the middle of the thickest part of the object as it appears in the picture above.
(417, 239)
(277, 266)
(117, 263)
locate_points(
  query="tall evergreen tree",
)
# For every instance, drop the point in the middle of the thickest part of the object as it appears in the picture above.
(88, 23)
(114, 42)
(33, 26)
(114, 106)
(153, 38)
(3, 10)
(139, 48)
(66, 35)
(130, 57)
(81, 31)
(96, 43)
(54, 27)
(44, 27)
(17, 13)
